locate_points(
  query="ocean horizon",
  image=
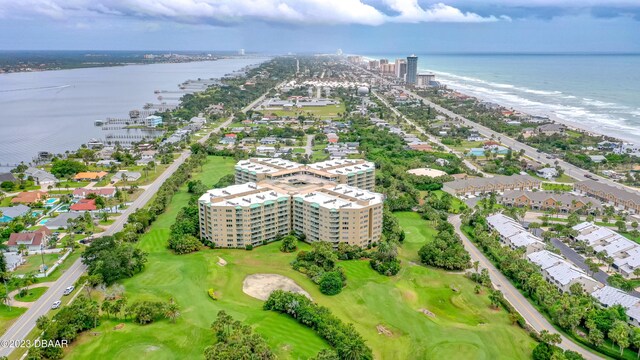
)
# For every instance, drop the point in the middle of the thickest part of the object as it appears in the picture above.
(599, 92)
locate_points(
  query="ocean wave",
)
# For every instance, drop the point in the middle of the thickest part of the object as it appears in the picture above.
(600, 116)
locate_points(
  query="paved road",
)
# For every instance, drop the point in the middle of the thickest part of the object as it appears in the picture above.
(431, 138)
(308, 150)
(569, 169)
(515, 298)
(23, 325)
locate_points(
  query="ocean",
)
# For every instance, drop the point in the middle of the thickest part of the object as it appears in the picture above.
(592, 91)
(55, 110)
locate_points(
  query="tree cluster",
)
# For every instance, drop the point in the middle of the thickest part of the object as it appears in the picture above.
(113, 259)
(346, 341)
(320, 265)
(235, 340)
(445, 250)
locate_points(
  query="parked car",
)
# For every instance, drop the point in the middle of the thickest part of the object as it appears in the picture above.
(56, 305)
(68, 290)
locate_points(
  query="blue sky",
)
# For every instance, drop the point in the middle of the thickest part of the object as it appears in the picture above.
(357, 26)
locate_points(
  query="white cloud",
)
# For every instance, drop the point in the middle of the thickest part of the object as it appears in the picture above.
(411, 11)
(229, 12)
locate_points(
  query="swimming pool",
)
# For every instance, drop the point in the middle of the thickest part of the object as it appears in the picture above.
(51, 201)
(43, 221)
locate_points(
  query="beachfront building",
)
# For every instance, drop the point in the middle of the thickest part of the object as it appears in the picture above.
(618, 197)
(547, 200)
(412, 70)
(625, 253)
(252, 213)
(556, 270)
(499, 184)
(514, 235)
(354, 172)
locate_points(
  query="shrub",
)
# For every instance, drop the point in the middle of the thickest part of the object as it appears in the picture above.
(289, 244)
(212, 294)
(248, 247)
(331, 283)
(184, 244)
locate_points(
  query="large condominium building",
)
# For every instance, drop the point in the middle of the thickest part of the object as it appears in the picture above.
(250, 213)
(354, 172)
(412, 69)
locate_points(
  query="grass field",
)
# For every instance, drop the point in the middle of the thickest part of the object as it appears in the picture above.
(32, 294)
(8, 315)
(34, 262)
(464, 327)
(323, 112)
(556, 187)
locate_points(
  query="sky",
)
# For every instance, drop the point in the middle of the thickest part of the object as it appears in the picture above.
(356, 26)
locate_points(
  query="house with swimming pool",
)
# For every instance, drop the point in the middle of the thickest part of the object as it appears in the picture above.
(11, 212)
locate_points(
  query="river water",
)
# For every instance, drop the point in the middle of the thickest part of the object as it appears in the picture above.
(55, 110)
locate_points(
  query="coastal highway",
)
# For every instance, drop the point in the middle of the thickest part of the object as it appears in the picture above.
(515, 145)
(515, 298)
(27, 322)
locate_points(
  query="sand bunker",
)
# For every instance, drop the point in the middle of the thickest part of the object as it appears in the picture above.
(260, 286)
(427, 172)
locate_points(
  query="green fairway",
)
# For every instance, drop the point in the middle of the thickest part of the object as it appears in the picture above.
(464, 325)
(32, 294)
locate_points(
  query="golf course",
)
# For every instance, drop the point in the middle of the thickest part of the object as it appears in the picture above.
(420, 313)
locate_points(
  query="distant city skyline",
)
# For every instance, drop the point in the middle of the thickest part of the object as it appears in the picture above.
(356, 26)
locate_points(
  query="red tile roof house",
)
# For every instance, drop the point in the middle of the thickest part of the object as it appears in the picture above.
(32, 240)
(84, 205)
(104, 192)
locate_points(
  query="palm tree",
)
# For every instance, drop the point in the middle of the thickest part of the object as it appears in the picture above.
(172, 311)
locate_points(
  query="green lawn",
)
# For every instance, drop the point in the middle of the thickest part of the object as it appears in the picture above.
(464, 327)
(322, 112)
(70, 185)
(8, 315)
(33, 294)
(556, 187)
(34, 262)
(6, 201)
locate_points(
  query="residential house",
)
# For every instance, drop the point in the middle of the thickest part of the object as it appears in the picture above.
(597, 158)
(13, 260)
(625, 253)
(420, 146)
(498, 183)
(33, 240)
(546, 200)
(547, 173)
(513, 234)
(11, 212)
(268, 141)
(7, 177)
(618, 197)
(90, 175)
(41, 177)
(62, 220)
(125, 175)
(29, 197)
(551, 129)
(84, 205)
(556, 270)
(104, 192)
(609, 296)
